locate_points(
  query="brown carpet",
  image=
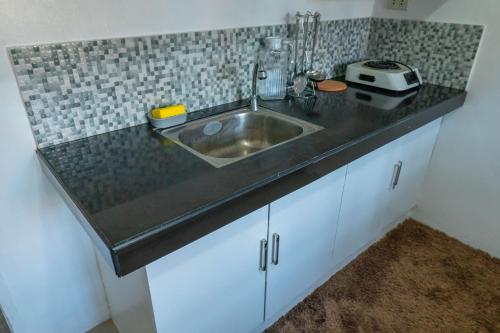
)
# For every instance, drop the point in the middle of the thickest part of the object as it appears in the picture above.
(416, 279)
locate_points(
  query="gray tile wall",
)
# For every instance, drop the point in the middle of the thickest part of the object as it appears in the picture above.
(78, 89)
(74, 90)
(444, 53)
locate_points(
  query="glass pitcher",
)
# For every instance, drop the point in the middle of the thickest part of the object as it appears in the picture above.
(275, 56)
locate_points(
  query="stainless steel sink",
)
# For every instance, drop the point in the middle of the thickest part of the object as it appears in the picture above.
(230, 137)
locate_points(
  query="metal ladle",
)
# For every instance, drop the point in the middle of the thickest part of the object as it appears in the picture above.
(315, 74)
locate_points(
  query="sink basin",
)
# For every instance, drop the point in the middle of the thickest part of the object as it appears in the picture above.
(230, 137)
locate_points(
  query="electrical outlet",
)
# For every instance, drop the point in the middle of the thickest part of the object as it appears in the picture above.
(397, 4)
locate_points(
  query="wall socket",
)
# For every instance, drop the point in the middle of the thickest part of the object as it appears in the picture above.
(396, 4)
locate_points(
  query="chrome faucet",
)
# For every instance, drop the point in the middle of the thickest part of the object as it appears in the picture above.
(260, 73)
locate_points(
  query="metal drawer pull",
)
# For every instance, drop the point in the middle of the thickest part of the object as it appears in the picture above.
(276, 249)
(397, 172)
(263, 255)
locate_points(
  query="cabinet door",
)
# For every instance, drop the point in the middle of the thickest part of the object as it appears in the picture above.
(305, 222)
(213, 284)
(362, 204)
(412, 159)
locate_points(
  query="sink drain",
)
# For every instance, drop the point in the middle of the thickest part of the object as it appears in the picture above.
(212, 128)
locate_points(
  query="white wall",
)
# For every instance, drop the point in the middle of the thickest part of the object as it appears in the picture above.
(461, 194)
(49, 280)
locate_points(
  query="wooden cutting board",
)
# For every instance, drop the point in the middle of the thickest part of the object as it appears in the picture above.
(332, 86)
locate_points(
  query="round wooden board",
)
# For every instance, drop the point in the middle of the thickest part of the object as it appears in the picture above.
(332, 86)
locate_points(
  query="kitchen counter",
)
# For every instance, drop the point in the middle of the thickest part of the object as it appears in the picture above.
(140, 196)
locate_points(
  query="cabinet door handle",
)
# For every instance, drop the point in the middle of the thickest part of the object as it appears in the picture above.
(276, 249)
(263, 255)
(397, 172)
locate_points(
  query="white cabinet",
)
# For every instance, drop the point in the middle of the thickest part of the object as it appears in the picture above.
(302, 228)
(381, 188)
(412, 158)
(213, 284)
(362, 203)
(216, 284)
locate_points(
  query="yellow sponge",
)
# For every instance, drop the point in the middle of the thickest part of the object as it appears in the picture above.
(168, 111)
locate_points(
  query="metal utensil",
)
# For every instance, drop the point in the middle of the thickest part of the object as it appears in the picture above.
(315, 74)
(300, 80)
(304, 41)
(316, 18)
(298, 16)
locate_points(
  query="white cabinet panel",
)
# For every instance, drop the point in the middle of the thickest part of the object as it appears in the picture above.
(362, 205)
(414, 154)
(370, 201)
(305, 221)
(128, 299)
(213, 284)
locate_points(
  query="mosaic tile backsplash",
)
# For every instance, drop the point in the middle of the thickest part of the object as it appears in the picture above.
(78, 89)
(444, 53)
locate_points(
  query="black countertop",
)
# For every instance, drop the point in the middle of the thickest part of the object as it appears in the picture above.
(140, 196)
